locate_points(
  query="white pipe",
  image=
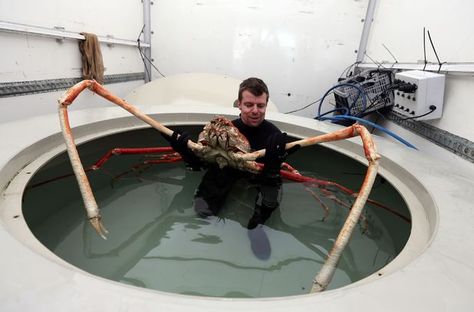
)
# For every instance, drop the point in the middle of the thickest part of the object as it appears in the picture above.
(147, 39)
(366, 30)
(61, 34)
(464, 67)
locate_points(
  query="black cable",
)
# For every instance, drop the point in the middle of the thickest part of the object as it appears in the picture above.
(381, 96)
(424, 48)
(375, 62)
(331, 90)
(151, 63)
(373, 103)
(347, 69)
(432, 109)
(141, 32)
(434, 50)
(143, 56)
(299, 109)
(147, 73)
(379, 114)
(432, 45)
(375, 122)
(362, 112)
(396, 61)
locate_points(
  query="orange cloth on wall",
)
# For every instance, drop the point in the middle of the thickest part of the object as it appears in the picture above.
(92, 62)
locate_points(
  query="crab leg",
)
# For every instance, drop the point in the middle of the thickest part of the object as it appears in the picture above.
(126, 151)
(86, 192)
(84, 185)
(341, 134)
(323, 278)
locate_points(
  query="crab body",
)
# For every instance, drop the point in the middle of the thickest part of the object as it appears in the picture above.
(221, 141)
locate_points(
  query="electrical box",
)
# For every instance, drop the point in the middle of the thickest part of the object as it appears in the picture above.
(426, 97)
(364, 93)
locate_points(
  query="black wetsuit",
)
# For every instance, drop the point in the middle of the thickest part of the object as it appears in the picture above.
(217, 183)
(257, 136)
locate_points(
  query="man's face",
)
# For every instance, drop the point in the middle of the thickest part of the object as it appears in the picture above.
(252, 108)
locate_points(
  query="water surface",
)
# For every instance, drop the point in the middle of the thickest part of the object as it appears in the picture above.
(157, 241)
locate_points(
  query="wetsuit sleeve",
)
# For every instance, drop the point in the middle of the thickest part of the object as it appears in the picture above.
(179, 142)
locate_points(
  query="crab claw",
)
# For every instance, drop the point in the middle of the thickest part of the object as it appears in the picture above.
(96, 223)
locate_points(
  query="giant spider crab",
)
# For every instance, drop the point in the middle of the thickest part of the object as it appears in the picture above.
(224, 144)
(221, 142)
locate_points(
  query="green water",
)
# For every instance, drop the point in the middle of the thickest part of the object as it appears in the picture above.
(156, 240)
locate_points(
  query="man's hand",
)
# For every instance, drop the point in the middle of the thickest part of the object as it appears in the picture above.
(179, 142)
(275, 153)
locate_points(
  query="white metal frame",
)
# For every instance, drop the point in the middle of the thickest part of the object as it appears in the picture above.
(62, 34)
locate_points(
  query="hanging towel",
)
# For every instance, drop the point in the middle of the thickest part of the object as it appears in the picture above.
(92, 63)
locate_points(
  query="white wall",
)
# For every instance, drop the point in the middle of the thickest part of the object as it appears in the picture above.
(299, 47)
(399, 25)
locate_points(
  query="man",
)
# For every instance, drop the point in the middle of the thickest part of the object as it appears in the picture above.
(217, 183)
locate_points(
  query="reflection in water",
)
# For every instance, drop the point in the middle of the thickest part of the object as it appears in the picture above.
(157, 241)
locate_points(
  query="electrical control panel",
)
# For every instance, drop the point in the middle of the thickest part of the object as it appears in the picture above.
(421, 93)
(375, 84)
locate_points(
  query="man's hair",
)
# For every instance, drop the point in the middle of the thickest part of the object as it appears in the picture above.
(255, 86)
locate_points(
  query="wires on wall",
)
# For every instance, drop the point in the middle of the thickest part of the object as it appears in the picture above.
(144, 57)
(434, 50)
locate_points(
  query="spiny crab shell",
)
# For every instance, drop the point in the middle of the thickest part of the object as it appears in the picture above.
(221, 141)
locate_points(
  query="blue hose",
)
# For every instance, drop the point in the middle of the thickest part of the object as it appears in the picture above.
(341, 117)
